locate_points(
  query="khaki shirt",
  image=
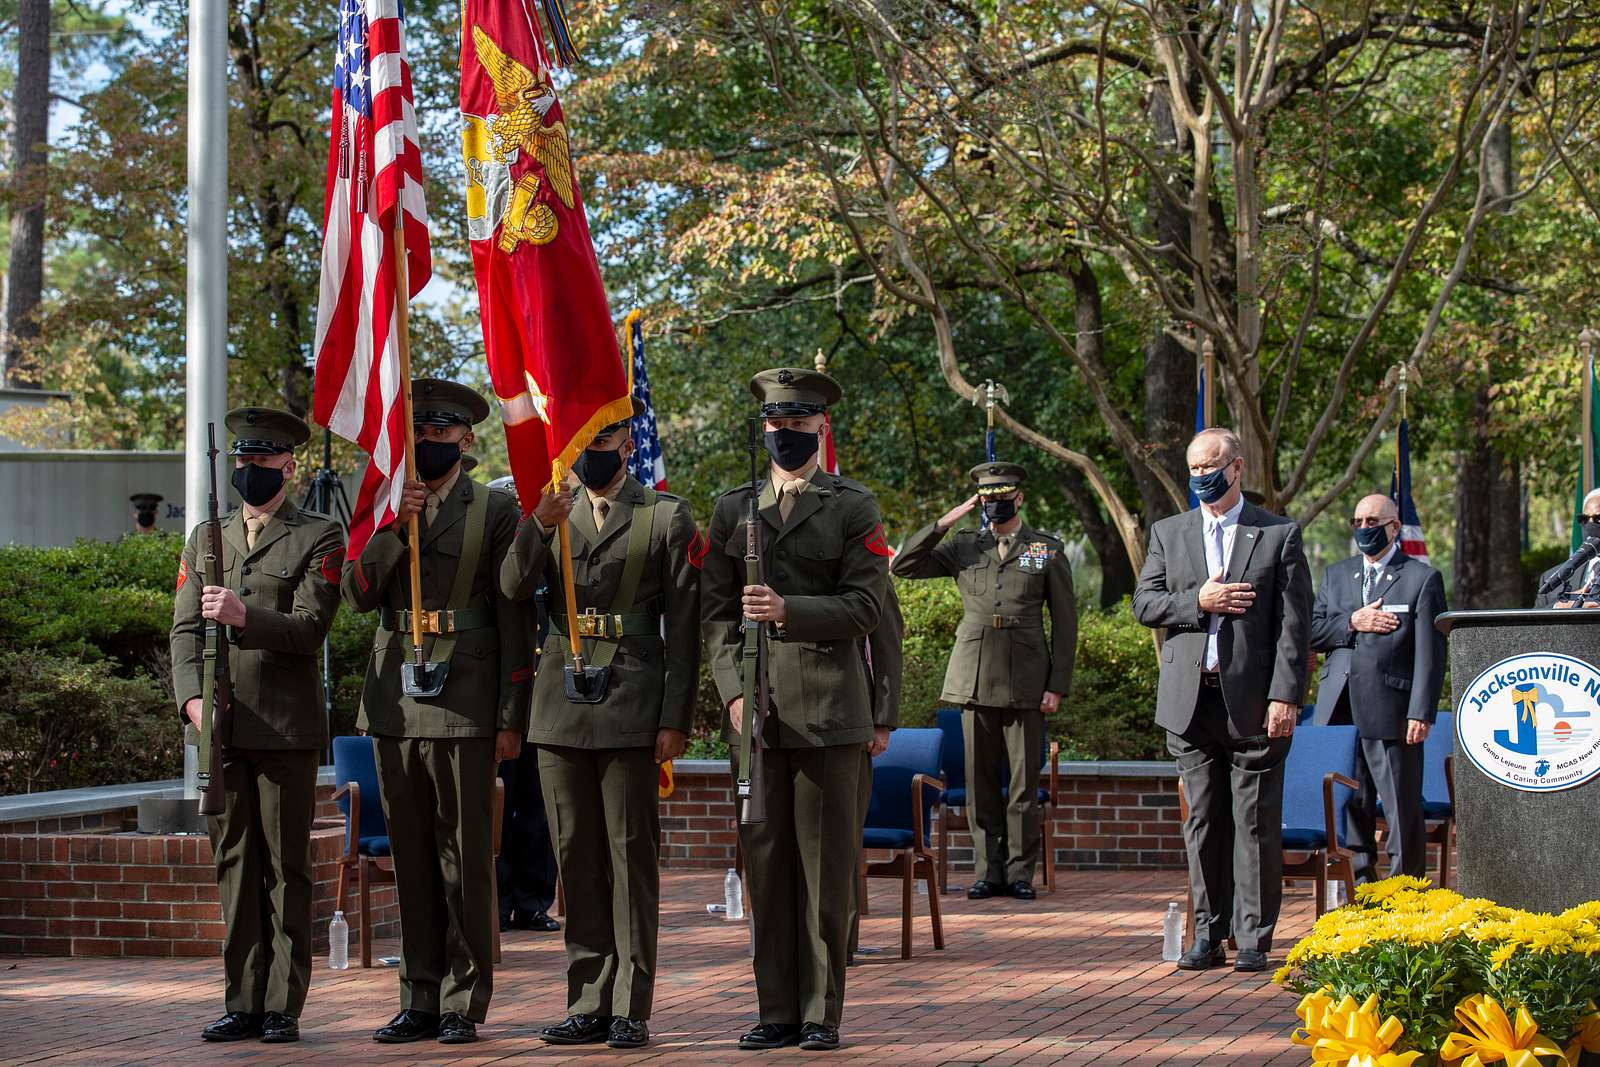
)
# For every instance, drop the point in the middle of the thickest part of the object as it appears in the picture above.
(1001, 657)
(289, 586)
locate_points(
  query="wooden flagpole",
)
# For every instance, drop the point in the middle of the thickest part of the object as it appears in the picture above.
(402, 294)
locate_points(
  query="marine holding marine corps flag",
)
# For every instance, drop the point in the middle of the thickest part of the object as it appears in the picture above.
(547, 330)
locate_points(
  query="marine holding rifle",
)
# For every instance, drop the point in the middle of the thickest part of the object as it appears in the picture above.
(824, 574)
(441, 731)
(603, 734)
(262, 595)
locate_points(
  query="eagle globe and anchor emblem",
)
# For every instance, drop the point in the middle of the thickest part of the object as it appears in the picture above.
(1532, 722)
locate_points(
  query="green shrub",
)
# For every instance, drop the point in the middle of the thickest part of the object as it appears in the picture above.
(67, 722)
(1111, 712)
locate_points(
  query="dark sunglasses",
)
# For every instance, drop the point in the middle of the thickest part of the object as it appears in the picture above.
(1356, 524)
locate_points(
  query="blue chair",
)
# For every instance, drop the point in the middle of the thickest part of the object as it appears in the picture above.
(1318, 784)
(1438, 791)
(366, 832)
(953, 762)
(905, 787)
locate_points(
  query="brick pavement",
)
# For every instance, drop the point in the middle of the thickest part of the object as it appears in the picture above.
(1073, 978)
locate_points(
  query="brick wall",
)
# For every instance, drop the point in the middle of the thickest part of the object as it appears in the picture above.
(118, 894)
(1099, 821)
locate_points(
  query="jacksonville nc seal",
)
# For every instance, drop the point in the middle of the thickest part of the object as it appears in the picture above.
(1530, 722)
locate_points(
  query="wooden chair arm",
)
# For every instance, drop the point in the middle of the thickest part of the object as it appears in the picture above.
(1450, 781)
(1055, 771)
(1328, 782)
(918, 835)
(352, 819)
(499, 811)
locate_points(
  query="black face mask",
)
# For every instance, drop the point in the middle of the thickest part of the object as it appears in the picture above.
(1371, 540)
(1591, 528)
(257, 484)
(596, 468)
(1212, 487)
(435, 458)
(1000, 512)
(792, 449)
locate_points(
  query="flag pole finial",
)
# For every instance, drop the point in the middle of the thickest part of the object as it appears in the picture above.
(820, 362)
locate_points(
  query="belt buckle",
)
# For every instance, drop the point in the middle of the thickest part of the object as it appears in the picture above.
(995, 623)
(591, 623)
(430, 622)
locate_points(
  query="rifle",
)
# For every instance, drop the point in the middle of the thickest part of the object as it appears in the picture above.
(216, 687)
(752, 808)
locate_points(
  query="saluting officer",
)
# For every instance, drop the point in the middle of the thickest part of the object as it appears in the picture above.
(437, 754)
(280, 574)
(1004, 673)
(639, 597)
(826, 572)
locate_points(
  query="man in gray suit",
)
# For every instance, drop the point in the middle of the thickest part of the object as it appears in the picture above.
(1229, 585)
(1374, 619)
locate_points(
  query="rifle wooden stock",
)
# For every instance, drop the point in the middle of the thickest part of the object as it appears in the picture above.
(218, 690)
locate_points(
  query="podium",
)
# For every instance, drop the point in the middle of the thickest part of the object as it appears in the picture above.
(1525, 686)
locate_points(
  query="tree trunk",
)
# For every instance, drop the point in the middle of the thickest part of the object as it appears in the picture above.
(1116, 575)
(30, 108)
(1488, 565)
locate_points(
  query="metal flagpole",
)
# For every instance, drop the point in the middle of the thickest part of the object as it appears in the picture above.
(206, 281)
(1586, 341)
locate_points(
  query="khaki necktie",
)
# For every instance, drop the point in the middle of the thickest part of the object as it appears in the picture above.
(602, 508)
(252, 530)
(787, 495)
(430, 510)
(1005, 547)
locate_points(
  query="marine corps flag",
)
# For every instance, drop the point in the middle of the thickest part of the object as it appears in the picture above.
(553, 354)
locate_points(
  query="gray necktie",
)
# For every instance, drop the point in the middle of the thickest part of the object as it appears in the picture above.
(1368, 580)
(1216, 544)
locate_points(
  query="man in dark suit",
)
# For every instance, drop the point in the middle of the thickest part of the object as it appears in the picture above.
(1374, 619)
(1582, 588)
(1229, 585)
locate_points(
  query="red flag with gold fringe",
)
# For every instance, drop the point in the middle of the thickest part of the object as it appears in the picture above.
(553, 355)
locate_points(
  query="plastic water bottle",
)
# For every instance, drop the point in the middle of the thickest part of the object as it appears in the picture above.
(1172, 934)
(1338, 896)
(338, 943)
(732, 896)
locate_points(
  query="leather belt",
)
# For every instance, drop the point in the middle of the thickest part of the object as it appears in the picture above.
(1007, 622)
(1211, 679)
(610, 627)
(444, 621)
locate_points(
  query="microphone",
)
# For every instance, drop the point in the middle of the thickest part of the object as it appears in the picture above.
(1585, 553)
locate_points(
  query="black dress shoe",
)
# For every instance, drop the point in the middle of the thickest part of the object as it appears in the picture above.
(982, 890)
(278, 1028)
(409, 1025)
(1250, 960)
(457, 1029)
(1203, 956)
(771, 1035)
(814, 1037)
(531, 920)
(234, 1026)
(578, 1030)
(628, 1033)
(1021, 890)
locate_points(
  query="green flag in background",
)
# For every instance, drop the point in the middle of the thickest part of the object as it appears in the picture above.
(1587, 472)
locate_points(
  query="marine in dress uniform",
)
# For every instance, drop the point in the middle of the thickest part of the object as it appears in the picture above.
(437, 755)
(1005, 673)
(638, 597)
(826, 569)
(279, 593)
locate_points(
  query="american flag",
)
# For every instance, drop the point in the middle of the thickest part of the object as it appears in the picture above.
(647, 463)
(374, 169)
(1412, 543)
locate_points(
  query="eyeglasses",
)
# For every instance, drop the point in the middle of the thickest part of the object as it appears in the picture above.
(1589, 518)
(1356, 524)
